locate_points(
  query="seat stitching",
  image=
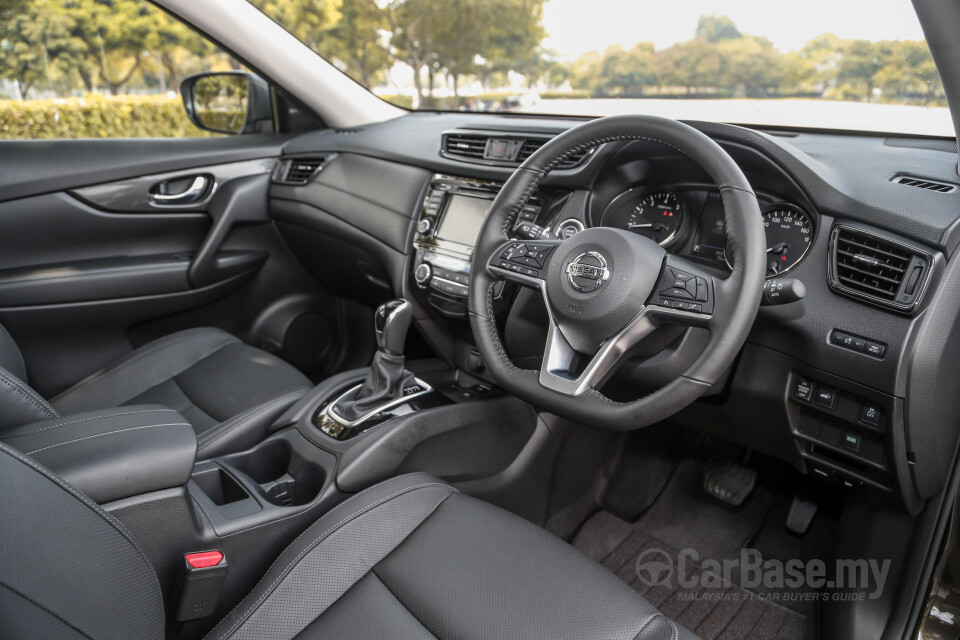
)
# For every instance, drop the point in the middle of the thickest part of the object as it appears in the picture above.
(311, 546)
(38, 402)
(99, 416)
(117, 366)
(109, 519)
(225, 427)
(45, 610)
(109, 433)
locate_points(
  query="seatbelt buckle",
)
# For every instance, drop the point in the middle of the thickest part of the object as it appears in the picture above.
(204, 573)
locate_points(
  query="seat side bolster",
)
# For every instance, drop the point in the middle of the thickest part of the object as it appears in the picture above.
(353, 537)
(19, 404)
(142, 369)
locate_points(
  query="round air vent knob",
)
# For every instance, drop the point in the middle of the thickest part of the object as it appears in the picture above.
(423, 227)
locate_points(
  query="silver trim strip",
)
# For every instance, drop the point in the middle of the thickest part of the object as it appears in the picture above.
(331, 413)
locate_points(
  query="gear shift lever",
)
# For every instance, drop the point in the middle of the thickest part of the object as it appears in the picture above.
(391, 323)
(387, 377)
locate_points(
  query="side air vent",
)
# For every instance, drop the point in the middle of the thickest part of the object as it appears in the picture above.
(500, 150)
(923, 183)
(882, 271)
(298, 171)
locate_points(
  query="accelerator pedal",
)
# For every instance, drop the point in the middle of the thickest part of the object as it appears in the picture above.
(801, 515)
(728, 481)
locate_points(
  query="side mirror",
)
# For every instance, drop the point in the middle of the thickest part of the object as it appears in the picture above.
(228, 102)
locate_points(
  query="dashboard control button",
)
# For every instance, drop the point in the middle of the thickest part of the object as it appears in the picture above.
(872, 449)
(840, 338)
(851, 440)
(424, 226)
(874, 348)
(809, 425)
(804, 389)
(830, 434)
(533, 273)
(696, 307)
(826, 397)
(423, 273)
(681, 275)
(870, 414)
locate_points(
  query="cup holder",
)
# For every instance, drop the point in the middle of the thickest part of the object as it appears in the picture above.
(285, 478)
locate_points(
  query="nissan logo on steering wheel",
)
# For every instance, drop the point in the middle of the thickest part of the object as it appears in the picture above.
(588, 272)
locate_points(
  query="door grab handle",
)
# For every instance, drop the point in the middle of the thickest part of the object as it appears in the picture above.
(193, 193)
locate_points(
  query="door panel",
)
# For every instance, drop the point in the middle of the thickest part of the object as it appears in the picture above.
(91, 266)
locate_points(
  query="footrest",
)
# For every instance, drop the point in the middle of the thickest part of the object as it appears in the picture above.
(728, 481)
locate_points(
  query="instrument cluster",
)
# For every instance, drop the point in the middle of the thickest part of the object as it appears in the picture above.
(691, 221)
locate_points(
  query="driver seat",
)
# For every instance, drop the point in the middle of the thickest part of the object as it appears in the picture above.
(409, 558)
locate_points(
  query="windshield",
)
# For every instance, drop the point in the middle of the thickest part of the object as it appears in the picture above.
(821, 63)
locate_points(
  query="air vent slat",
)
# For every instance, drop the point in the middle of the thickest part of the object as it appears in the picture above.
(299, 171)
(895, 281)
(924, 183)
(868, 266)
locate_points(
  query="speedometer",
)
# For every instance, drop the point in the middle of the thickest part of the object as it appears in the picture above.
(789, 234)
(789, 231)
(655, 215)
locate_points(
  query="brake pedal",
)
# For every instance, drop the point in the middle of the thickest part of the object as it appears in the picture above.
(801, 515)
(728, 481)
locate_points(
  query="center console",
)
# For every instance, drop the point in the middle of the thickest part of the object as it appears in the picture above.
(449, 221)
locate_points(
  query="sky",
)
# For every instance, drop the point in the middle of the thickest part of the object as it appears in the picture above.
(578, 26)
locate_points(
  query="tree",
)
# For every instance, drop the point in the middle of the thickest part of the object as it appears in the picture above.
(752, 66)
(714, 28)
(859, 63)
(359, 39)
(694, 64)
(35, 44)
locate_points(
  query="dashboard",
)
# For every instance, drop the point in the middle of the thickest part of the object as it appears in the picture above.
(821, 384)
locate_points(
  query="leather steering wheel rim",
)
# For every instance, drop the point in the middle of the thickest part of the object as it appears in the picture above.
(737, 298)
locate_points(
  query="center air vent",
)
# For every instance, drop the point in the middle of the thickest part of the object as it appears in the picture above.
(879, 270)
(501, 150)
(298, 171)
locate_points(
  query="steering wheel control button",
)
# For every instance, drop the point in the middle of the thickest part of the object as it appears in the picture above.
(803, 390)
(826, 397)
(870, 414)
(588, 272)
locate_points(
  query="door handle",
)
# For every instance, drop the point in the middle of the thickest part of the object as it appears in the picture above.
(193, 193)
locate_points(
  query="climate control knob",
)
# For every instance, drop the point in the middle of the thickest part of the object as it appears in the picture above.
(423, 273)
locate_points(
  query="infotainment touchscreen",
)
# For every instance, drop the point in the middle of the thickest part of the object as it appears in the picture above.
(463, 218)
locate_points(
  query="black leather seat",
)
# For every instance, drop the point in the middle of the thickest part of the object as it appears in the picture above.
(409, 558)
(230, 392)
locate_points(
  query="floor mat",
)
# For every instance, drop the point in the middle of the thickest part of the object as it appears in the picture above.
(646, 554)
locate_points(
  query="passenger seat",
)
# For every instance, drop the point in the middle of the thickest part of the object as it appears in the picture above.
(229, 391)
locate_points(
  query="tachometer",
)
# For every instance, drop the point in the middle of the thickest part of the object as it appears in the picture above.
(789, 231)
(654, 215)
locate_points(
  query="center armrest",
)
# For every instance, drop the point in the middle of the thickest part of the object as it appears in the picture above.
(114, 453)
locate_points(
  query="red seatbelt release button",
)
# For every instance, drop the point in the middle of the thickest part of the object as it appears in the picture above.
(203, 559)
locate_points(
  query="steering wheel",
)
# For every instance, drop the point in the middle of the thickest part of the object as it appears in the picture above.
(606, 289)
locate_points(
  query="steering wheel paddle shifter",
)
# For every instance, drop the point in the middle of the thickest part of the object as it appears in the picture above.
(388, 381)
